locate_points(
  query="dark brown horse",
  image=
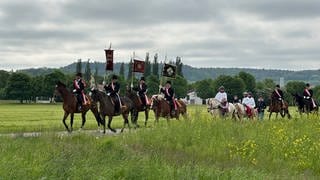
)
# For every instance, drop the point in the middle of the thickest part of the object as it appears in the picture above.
(305, 106)
(277, 107)
(138, 107)
(161, 108)
(106, 108)
(70, 106)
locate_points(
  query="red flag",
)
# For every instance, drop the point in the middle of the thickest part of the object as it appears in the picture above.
(138, 66)
(109, 59)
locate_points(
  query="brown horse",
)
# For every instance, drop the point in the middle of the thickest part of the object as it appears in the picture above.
(106, 105)
(161, 108)
(138, 107)
(277, 107)
(70, 106)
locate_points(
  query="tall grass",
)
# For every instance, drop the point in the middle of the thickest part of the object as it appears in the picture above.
(197, 148)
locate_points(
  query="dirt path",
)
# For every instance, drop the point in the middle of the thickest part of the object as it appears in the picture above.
(60, 133)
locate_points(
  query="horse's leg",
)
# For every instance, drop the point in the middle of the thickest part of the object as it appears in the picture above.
(126, 121)
(136, 119)
(109, 124)
(103, 122)
(71, 121)
(95, 112)
(270, 114)
(66, 114)
(83, 116)
(146, 114)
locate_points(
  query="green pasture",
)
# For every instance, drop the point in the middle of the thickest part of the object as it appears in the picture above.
(199, 147)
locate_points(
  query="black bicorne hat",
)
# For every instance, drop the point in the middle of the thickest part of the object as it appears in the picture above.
(114, 77)
(79, 74)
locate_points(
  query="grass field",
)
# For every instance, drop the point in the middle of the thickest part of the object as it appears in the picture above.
(197, 148)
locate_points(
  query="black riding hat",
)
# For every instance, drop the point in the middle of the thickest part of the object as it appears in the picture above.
(168, 82)
(142, 79)
(79, 74)
(114, 77)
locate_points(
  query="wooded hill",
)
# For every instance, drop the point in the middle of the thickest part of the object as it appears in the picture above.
(193, 74)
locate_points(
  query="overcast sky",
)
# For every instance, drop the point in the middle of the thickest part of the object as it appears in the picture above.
(270, 34)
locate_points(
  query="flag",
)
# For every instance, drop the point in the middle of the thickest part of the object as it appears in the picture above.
(109, 59)
(138, 66)
(169, 70)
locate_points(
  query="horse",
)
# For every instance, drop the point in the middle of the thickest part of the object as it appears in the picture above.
(277, 107)
(214, 108)
(70, 106)
(161, 108)
(304, 106)
(138, 107)
(106, 108)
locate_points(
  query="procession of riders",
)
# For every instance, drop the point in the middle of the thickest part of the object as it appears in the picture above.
(248, 101)
(112, 89)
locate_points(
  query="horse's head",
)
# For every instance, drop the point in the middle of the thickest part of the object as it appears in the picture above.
(155, 101)
(212, 104)
(298, 99)
(94, 94)
(59, 88)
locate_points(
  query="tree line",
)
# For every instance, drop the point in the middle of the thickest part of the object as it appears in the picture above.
(26, 88)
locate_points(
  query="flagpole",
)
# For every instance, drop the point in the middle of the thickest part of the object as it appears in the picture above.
(132, 67)
(161, 77)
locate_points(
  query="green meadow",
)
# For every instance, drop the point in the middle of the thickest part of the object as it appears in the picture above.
(199, 147)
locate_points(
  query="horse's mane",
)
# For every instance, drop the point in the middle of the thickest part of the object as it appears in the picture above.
(60, 84)
(157, 96)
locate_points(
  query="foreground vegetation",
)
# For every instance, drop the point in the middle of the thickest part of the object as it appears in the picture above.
(197, 148)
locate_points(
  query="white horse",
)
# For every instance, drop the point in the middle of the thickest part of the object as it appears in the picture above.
(214, 108)
(240, 112)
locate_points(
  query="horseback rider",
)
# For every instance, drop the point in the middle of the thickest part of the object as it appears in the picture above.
(112, 90)
(277, 95)
(222, 97)
(307, 95)
(78, 88)
(249, 103)
(168, 92)
(142, 89)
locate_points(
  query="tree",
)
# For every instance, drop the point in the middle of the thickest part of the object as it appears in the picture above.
(37, 87)
(147, 66)
(4, 76)
(87, 71)
(50, 82)
(121, 71)
(18, 87)
(153, 84)
(293, 87)
(155, 66)
(96, 72)
(180, 86)
(205, 88)
(130, 70)
(249, 81)
(79, 66)
(179, 66)
(233, 85)
(265, 88)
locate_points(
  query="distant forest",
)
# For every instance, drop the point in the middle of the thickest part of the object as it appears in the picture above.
(193, 74)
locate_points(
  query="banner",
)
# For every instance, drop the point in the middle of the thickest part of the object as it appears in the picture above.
(169, 70)
(109, 59)
(138, 66)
